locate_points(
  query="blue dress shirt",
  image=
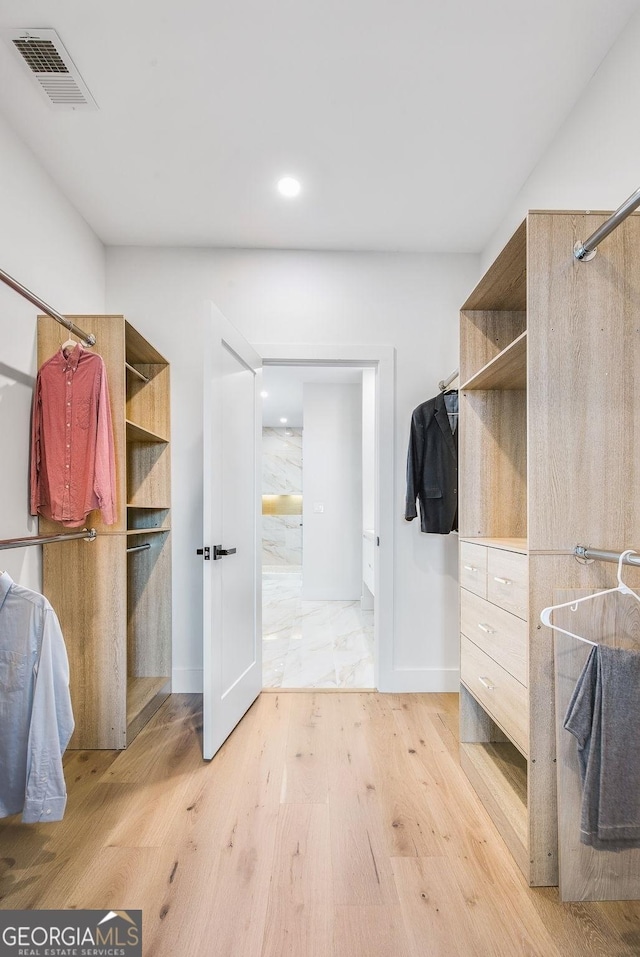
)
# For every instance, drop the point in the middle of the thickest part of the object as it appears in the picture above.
(36, 720)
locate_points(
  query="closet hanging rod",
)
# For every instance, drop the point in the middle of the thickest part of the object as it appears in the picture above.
(442, 385)
(138, 548)
(88, 338)
(586, 251)
(89, 535)
(136, 372)
(598, 555)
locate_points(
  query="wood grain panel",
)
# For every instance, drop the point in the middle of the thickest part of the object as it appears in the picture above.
(88, 590)
(587, 874)
(504, 285)
(484, 336)
(498, 772)
(139, 350)
(148, 474)
(508, 370)
(149, 607)
(493, 461)
(584, 355)
(147, 401)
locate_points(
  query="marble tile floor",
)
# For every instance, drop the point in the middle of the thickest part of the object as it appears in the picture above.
(312, 644)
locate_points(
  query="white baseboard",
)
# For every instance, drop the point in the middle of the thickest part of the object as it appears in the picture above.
(186, 681)
(420, 681)
(400, 681)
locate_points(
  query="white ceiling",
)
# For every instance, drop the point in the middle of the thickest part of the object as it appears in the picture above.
(284, 385)
(412, 124)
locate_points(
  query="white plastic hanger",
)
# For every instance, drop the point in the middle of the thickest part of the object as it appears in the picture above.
(545, 614)
(69, 344)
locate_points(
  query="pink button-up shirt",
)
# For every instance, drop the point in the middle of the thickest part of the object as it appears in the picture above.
(72, 458)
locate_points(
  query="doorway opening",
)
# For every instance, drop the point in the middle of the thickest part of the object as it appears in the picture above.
(318, 526)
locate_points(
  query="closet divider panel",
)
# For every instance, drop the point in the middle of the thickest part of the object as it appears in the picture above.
(86, 584)
(587, 874)
(584, 351)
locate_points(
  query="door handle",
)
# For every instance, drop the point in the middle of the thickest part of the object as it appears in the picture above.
(219, 552)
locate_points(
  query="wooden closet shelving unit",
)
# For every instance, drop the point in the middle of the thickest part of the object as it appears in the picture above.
(549, 358)
(115, 607)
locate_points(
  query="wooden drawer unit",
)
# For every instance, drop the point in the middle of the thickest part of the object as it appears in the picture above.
(473, 568)
(508, 581)
(504, 698)
(501, 635)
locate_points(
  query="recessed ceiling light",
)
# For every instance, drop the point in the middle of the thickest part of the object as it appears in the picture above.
(288, 186)
(283, 421)
(264, 394)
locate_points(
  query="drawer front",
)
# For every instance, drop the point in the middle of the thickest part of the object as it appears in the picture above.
(501, 635)
(504, 698)
(473, 568)
(508, 581)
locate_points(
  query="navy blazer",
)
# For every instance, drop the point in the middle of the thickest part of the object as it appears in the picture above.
(432, 468)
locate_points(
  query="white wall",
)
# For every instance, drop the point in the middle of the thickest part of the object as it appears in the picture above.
(332, 481)
(592, 163)
(49, 248)
(409, 301)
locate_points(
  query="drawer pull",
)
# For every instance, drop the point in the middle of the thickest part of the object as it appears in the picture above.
(503, 581)
(470, 568)
(486, 683)
(485, 628)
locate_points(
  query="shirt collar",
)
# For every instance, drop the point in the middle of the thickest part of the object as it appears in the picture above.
(5, 584)
(71, 361)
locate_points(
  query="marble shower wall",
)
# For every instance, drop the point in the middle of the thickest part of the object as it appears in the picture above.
(282, 475)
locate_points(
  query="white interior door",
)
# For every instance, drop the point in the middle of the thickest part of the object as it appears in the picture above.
(232, 626)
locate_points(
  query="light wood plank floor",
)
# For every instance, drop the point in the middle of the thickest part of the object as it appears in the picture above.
(329, 825)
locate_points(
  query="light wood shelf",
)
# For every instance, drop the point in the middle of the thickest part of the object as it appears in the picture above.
(498, 773)
(508, 370)
(144, 697)
(503, 288)
(136, 433)
(519, 545)
(155, 508)
(147, 531)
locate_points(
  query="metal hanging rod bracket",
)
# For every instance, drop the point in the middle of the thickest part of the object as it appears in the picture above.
(87, 338)
(586, 251)
(586, 553)
(89, 535)
(442, 385)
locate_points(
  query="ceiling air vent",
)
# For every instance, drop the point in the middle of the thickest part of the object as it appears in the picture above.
(51, 66)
